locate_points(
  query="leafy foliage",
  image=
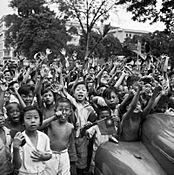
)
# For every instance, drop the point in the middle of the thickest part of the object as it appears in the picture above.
(159, 43)
(106, 48)
(144, 10)
(34, 29)
(26, 8)
(87, 13)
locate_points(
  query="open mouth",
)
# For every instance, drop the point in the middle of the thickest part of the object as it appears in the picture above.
(33, 126)
(80, 96)
(2, 123)
(16, 118)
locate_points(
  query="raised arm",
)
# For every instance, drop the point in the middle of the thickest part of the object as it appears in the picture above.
(133, 104)
(22, 103)
(120, 80)
(153, 101)
(3, 88)
(98, 76)
(47, 121)
(38, 91)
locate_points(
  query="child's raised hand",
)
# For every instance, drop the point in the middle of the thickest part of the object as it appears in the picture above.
(140, 85)
(56, 88)
(40, 156)
(3, 86)
(101, 101)
(58, 114)
(18, 140)
(157, 90)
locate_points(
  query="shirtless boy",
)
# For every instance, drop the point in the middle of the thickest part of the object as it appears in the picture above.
(59, 132)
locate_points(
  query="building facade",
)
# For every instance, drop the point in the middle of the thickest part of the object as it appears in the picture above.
(122, 34)
(117, 32)
(5, 53)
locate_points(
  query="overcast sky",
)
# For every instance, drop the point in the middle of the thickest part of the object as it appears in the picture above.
(121, 19)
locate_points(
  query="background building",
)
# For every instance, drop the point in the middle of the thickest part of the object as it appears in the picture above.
(122, 34)
(118, 32)
(5, 53)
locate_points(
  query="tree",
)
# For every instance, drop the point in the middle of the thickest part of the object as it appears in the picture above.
(112, 46)
(35, 28)
(106, 48)
(87, 13)
(95, 48)
(144, 10)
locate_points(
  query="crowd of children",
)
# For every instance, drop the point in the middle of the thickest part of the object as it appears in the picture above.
(45, 107)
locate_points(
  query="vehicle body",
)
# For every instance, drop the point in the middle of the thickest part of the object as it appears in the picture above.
(153, 155)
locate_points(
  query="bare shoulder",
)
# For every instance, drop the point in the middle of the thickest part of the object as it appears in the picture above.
(70, 125)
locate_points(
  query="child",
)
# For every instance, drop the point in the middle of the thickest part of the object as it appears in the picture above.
(130, 126)
(111, 98)
(60, 132)
(25, 95)
(48, 104)
(30, 158)
(46, 99)
(104, 112)
(84, 112)
(6, 167)
(13, 120)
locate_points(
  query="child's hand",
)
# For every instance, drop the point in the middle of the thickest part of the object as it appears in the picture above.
(157, 90)
(140, 85)
(56, 88)
(18, 140)
(101, 101)
(40, 156)
(3, 86)
(58, 114)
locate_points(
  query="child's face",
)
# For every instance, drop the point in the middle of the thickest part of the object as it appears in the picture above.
(31, 120)
(90, 85)
(91, 71)
(65, 108)
(80, 92)
(7, 76)
(28, 98)
(113, 100)
(14, 113)
(104, 114)
(2, 119)
(148, 89)
(138, 108)
(48, 97)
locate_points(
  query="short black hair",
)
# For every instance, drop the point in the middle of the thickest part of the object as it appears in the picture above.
(63, 100)
(30, 108)
(26, 89)
(78, 83)
(131, 80)
(104, 108)
(107, 92)
(8, 106)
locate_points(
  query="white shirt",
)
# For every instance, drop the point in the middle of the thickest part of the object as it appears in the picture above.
(28, 165)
